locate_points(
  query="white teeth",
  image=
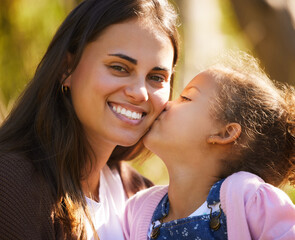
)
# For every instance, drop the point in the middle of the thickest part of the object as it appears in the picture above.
(134, 115)
(127, 113)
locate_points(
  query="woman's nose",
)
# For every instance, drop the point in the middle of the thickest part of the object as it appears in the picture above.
(168, 105)
(137, 91)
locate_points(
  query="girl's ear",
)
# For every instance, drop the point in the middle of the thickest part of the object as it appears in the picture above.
(228, 135)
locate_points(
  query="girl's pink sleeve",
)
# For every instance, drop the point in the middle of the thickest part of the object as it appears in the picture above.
(256, 210)
(139, 210)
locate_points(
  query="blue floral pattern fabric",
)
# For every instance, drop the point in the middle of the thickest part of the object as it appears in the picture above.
(195, 227)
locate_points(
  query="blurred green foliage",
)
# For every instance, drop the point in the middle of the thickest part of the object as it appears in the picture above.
(26, 27)
(231, 29)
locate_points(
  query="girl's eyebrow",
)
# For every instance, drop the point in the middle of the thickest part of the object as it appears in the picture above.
(194, 87)
(125, 57)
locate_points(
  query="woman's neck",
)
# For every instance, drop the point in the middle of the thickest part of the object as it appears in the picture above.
(90, 184)
(91, 179)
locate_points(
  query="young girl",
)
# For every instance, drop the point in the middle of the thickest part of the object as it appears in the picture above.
(228, 142)
(102, 82)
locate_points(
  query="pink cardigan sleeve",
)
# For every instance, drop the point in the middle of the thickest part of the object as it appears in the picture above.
(256, 210)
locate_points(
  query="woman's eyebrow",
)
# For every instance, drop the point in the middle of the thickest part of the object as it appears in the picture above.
(134, 61)
(160, 69)
(123, 56)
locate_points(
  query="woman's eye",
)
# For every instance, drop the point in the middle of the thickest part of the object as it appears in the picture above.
(157, 78)
(184, 98)
(118, 68)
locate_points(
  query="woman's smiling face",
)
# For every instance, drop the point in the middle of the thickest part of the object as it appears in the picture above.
(122, 82)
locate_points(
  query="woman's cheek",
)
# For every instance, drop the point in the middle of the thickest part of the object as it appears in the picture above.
(161, 98)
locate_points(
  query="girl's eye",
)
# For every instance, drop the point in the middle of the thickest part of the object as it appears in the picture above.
(184, 98)
(157, 78)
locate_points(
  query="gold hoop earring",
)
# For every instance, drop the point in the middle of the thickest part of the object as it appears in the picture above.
(64, 89)
(213, 141)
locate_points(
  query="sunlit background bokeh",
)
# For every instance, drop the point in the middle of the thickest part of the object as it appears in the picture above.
(264, 28)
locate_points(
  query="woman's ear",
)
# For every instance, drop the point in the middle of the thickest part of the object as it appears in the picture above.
(228, 134)
(66, 77)
(66, 82)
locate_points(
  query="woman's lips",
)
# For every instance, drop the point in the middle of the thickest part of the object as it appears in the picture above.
(127, 114)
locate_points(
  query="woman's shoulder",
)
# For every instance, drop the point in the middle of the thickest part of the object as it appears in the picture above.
(14, 167)
(17, 173)
(25, 200)
(19, 179)
(21, 183)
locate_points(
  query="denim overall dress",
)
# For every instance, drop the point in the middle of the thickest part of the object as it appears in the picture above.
(204, 227)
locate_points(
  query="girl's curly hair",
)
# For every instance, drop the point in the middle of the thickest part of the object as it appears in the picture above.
(266, 112)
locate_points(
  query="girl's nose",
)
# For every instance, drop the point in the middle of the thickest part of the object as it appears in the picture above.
(137, 92)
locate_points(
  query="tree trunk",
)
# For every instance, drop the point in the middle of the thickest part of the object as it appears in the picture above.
(269, 25)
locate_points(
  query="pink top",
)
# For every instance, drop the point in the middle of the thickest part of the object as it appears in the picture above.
(253, 209)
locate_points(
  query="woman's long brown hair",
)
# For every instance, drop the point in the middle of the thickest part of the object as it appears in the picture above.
(43, 126)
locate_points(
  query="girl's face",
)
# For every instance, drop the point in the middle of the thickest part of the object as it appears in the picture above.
(186, 123)
(122, 83)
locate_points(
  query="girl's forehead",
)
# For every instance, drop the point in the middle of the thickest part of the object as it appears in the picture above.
(204, 81)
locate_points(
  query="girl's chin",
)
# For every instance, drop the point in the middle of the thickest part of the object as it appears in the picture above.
(148, 140)
(145, 139)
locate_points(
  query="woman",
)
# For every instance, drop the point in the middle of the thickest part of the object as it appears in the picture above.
(103, 80)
